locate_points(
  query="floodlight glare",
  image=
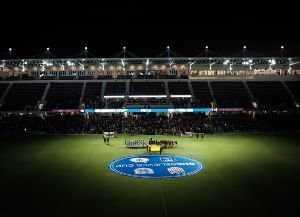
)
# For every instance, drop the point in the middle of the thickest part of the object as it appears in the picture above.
(9, 49)
(48, 48)
(206, 47)
(244, 47)
(85, 48)
(226, 62)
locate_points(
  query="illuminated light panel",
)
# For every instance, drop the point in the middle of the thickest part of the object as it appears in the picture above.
(181, 96)
(113, 97)
(147, 96)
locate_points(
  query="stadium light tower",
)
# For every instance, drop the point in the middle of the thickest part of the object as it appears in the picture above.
(206, 51)
(244, 50)
(281, 50)
(86, 51)
(168, 51)
(124, 51)
(10, 52)
(47, 52)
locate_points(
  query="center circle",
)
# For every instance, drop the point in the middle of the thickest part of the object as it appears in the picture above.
(155, 166)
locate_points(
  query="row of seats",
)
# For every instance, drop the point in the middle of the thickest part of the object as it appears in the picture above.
(23, 95)
(231, 94)
(202, 94)
(63, 95)
(92, 95)
(294, 86)
(267, 94)
(3, 87)
(149, 88)
(270, 94)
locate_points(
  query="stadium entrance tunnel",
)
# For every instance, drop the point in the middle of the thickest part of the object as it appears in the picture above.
(155, 166)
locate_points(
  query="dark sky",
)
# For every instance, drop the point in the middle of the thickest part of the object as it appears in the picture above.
(147, 27)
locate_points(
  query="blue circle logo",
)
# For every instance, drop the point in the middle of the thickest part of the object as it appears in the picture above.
(155, 166)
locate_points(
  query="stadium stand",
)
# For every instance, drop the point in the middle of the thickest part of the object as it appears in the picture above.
(92, 95)
(23, 96)
(209, 95)
(63, 95)
(202, 94)
(294, 86)
(147, 88)
(270, 94)
(178, 88)
(230, 94)
(3, 87)
(115, 88)
(143, 124)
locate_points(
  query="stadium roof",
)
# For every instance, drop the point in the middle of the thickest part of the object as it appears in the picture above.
(155, 60)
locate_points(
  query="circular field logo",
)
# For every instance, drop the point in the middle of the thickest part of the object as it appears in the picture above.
(155, 166)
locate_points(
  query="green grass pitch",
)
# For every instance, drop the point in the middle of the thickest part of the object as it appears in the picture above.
(244, 175)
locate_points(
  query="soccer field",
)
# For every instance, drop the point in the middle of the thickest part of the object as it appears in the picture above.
(243, 175)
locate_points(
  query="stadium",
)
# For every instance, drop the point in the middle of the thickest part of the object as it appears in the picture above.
(149, 136)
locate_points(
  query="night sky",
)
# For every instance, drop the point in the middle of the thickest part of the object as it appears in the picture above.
(147, 27)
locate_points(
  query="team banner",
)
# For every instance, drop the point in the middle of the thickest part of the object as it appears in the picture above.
(155, 166)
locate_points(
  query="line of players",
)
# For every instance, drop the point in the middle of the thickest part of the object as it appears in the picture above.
(163, 143)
